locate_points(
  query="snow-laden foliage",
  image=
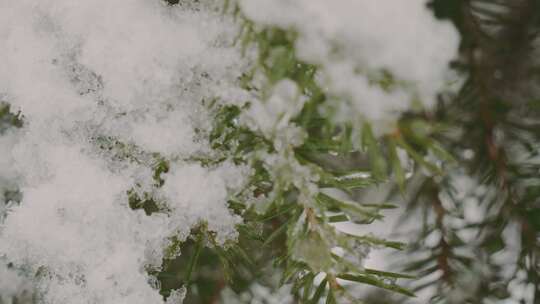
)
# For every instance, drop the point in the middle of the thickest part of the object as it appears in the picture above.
(113, 161)
(376, 59)
(107, 88)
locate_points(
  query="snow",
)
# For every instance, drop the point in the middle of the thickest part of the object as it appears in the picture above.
(273, 116)
(104, 86)
(177, 296)
(192, 189)
(108, 89)
(353, 42)
(13, 284)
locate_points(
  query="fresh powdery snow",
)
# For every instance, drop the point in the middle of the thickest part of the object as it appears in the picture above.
(354, 42)
(91, 73)
(107, 89)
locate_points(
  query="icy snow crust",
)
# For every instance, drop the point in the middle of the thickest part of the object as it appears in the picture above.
(108, 88)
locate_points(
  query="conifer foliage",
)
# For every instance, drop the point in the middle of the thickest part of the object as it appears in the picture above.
(245, 151)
